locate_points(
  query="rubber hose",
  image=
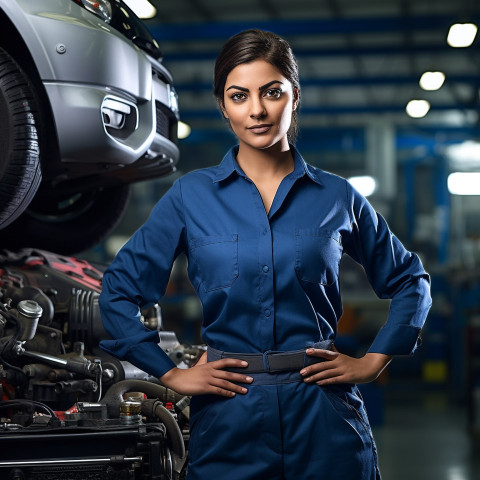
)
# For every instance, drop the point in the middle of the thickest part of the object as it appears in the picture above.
(114, 397)
(155, 409)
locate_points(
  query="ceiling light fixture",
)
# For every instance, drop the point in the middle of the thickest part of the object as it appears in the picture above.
(432, 80)
(141, 8)
(461, 35)
(417, 108)
(464, 156)
(365, 184)
(464, 183)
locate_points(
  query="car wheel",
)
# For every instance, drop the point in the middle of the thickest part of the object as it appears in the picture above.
(20, 173)
(68, 223)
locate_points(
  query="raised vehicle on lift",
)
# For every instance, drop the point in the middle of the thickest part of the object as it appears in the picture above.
(86, 108)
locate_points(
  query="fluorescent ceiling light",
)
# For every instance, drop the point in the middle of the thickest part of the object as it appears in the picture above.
(432, 80)
(465, 155)
(461, 35)
(142, 8)
(183, 130)
(365, 184)
(464, 183)
(417, 108)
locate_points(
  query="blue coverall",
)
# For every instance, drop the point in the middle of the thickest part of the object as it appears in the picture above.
(267, 283)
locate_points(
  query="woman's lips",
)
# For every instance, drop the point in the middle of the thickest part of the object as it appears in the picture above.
(260, 128)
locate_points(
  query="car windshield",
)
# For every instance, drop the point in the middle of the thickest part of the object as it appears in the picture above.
(126, 22)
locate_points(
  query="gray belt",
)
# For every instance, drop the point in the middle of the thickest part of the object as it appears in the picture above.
(271, 361)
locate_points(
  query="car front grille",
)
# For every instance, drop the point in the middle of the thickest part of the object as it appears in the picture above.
(166, 122)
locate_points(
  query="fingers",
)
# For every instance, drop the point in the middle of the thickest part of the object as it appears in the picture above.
(319, 352)
(205, 379)
(231, 376)
(220, 367)
(234, 377)
(318, 371)
(327, 377)
(321, 366)
(226, 388)
(223, 381)
(324, 373)
(229, 363)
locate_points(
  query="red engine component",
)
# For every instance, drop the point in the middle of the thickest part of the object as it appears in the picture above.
(76, 271)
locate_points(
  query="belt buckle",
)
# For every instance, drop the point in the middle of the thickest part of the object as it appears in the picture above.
(266, 362)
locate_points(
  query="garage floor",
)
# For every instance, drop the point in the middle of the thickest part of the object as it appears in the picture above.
(426, 438)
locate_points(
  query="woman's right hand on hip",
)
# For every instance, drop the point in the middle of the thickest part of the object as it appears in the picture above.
(208, 378)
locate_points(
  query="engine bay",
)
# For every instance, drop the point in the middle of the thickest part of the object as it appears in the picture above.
(68, 409)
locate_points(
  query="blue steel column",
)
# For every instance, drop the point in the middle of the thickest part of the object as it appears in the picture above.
(381, 163)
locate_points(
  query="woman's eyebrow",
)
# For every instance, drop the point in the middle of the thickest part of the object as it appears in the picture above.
(242, 89)
(263, 87)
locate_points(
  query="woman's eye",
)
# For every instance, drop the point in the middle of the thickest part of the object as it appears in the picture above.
(273, 92)
(238, 97)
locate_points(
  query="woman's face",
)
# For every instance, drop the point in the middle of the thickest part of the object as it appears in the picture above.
(258, 102)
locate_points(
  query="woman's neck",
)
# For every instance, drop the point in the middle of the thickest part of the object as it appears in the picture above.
(263, 164)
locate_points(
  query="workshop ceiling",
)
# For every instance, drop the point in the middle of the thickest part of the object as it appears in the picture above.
(360, 61)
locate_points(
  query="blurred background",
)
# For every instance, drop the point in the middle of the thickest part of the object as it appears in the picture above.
(391, 101)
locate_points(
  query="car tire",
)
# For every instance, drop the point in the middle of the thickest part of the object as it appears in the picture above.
(68, 223)
(20, 171)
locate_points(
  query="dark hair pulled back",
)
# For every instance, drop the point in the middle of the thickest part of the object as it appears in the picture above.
(251, 45)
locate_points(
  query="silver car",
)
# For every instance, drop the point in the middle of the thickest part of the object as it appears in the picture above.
(86, 108)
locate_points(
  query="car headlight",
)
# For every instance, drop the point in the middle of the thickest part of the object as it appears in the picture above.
(120, 17)
(101, 8)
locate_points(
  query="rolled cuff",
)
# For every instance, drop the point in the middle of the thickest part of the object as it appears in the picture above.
(146, 355)
(396, 340)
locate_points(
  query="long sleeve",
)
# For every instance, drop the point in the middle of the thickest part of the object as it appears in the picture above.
(138, 277)
(394, 273)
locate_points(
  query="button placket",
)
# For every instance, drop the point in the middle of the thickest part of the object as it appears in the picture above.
(267, 285)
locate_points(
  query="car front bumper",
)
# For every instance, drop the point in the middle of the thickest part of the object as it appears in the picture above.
(111, 102)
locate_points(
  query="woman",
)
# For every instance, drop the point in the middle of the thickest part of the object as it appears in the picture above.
(264, 233)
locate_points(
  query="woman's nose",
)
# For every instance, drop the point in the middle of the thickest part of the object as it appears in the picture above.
(257, 109)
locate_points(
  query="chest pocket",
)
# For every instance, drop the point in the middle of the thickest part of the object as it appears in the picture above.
(317, 255)
(215, 261)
